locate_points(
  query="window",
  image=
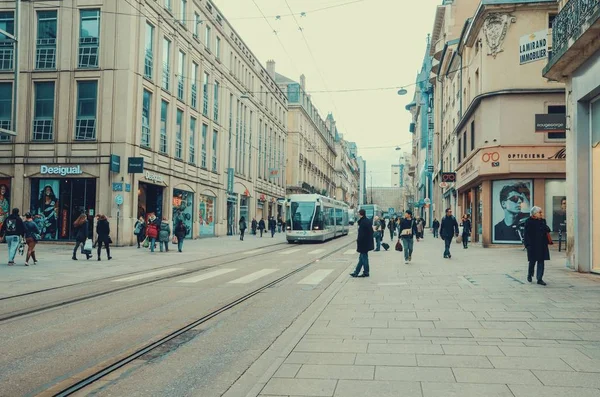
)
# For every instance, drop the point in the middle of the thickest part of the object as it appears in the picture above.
(85, 126)
(149, 56)
(46, 40)
(43, 119)
(557, 110)
(218, 48)
(192, 141)
(194, 85)
(472, 135)
(197, 22)
(89, 38)
(168, 5)
(178, 134)
(207, 37)
(180, 76)
(464, 145)
(166, 80)
(7, 47)
(164, 116)
(6, 93)
(205, 89)
(215, 146)
(260, 151)
(216, 102)
(146, 104)
(459, 148)
(183, 12)
(204, 136)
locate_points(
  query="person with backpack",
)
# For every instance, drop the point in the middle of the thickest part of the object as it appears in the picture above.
(32, 235)
(407, 233)
(448, 230)
(140, 230)
(164, 235)
(152, 231)
(81, 234)
(180, 232)
(242, 228)
(12, 231)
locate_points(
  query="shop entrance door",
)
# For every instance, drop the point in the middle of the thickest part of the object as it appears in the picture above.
(231, 204)
(150, 200)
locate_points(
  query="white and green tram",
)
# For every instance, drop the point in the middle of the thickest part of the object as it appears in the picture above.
(312, 217)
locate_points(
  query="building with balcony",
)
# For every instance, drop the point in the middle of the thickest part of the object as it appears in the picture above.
(311, 144)
(138, 107)
(575, 61)
(347, 175)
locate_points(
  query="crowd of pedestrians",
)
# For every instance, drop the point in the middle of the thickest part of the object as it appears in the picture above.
(154, 231)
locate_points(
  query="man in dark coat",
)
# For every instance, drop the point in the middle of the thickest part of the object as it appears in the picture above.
(364, 244)
(436, 227)
(448, 230)
(536, 242)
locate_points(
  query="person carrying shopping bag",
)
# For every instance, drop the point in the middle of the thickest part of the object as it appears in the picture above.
(81, 234)
(407, 232)
(152, 231)
(140, 230)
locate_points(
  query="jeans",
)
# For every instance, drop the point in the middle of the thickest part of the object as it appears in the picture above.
(152, 243)
(363, 262)
(540, 269)
(13, 245)
(261, 232)
(378, 241)
(408, 244)
(465, 240)
(166, 245)
(180, 243)
(272, 233)
(435, 233)
(447, 242)
(391, 235)
(77, 244)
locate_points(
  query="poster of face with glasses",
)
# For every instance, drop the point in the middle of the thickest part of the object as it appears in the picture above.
(511, 203)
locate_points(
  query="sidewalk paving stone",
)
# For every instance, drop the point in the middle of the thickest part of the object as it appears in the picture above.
(502, 376)
(547, 391)
(377, 388)
(330, 371)
(436, 389)
(453, 361)
(544, 364)
(413, 374)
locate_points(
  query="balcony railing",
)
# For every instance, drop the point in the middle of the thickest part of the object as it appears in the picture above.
(569, 21)
(166, 77)
(148, 64)
(180, 89)
(194, 96)
(7, 125)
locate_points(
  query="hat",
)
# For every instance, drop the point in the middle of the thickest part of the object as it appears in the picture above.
(409, 212)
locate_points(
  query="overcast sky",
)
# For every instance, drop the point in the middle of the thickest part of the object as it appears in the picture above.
(356, 44)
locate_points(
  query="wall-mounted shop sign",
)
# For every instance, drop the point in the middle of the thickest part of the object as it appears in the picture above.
(151, 176)
(533, 47)
(273, 173)
(546, 123)
(230, 175)
(115, 163)
(117, 186)
(59, 170)
(135, 165)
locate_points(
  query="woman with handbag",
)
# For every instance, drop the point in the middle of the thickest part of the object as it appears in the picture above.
(152, 231)
(81, 234)
(407, 232)
(32, 235)
(103, 231)
(537, 238)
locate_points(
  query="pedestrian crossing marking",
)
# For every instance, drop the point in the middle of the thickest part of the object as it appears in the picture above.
(350, 252)
(316, 277)
(255, 251)
(289, 251)
(147, 275)
(253, 276)
(206, 276)
(316, 251)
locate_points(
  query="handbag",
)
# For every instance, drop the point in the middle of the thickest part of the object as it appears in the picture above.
(21, 246)
(175, 239)
(459, 239)
(398, 246)
(87, 247)
(146, 243)
(549, 238)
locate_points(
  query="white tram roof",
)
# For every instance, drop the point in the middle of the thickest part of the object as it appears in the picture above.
(314, 198)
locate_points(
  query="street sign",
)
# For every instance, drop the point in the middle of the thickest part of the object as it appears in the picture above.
(117, 186)
(135, 165)
(128, 187)
(391, 211)
(230, 176)
(115, 163)
(448, 176)
(443, 185)
(118, 199)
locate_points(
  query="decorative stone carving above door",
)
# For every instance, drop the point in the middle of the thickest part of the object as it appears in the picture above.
(494, 30)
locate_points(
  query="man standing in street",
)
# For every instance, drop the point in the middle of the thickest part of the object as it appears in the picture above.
(272, 226)
(364, 244)
(448, 230)
(436, 227)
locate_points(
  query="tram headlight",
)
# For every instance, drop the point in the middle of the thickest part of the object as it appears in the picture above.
(316, 227)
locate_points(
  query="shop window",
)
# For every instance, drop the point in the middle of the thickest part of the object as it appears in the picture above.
(150, 200)
(556, 206)
(206, 212)
(5, 207)
(183, 207)
(561, 109)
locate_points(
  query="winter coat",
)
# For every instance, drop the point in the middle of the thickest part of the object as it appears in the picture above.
(180, 231)
(12, 226)
(31, 230)
(466, 227)
(436, 224)
(141, 226)
(81, 232)
(364, 241)
(164, 233)
(448, 227)
(242, 225)
(408, 224)
(261, 225)
(152, 229)
(103, 231)
(536, 240)
(272, 224)
(254, 224)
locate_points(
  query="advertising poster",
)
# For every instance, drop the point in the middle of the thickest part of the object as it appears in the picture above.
(183, 204)
(4, 200)
(555, 210)
(207, 215)
(46, 212)
(511, 203)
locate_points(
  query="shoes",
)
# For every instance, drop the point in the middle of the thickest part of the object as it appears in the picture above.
(35, 262)
(98, 259)
(410, 258)
(353, 275)
(449, 256)
(11, 263)
(406, 262)
(26, 264)
(74, 258)
(364, 275)
(445, 256)
(541, 282)
(529, 278)
(110, 257)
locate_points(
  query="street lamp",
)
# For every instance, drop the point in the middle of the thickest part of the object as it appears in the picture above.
(402, 91)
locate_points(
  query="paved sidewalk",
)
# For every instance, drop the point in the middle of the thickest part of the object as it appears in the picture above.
(469, 326)
(56, 268)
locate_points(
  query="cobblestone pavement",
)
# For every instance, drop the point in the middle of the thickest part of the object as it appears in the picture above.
(469, 326)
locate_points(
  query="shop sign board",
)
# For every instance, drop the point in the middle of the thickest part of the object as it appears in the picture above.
(117, 186)
(533, 47)
(151, 176)
(135, 165)
(128, 187)
(115, 163)
(546, 123)
(60, 170)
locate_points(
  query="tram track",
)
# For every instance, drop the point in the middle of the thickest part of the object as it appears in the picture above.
(87, 378)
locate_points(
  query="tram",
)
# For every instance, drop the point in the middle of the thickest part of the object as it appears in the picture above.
(371, 210)
(312, 217)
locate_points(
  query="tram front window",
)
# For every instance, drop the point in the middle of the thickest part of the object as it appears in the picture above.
(302, 215)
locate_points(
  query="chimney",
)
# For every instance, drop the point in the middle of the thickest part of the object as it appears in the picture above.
(271, 67)
(303, 82)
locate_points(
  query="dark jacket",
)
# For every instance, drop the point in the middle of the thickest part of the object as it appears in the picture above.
(466, 227)
(364, 241)
(164, 232)
(272, 224)
(254, 224)
(536, 240)
(436, 224)
(81, 232)
(31, 230)
(261, 224)
(180, 231)
(12, 226)
(408, 224)
(242, 225)
(141, 226)
(103, 231)
(391, 225)
(448, 227)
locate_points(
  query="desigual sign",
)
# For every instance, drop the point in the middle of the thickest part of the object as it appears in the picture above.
(154, 177)
(60, 170)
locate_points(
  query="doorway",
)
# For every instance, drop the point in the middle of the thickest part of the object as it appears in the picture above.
(150, 200)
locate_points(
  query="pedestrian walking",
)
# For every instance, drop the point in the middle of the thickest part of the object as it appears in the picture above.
(140, 230)
(420, 224)
(377, 232)
(152, 231)
(272, 226)
(261, 226)
(164, 235)
(407, 234)
(364, 244)
(448, 230)
(436, 228)
(242, 228)
(254, 225)
(80, 230)
(180, 232)
(32, 235)
(383, 227)
(537, 239)
(279, 224)
(466, 232)
(12, 231)
(391, 226)
(103, 236)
